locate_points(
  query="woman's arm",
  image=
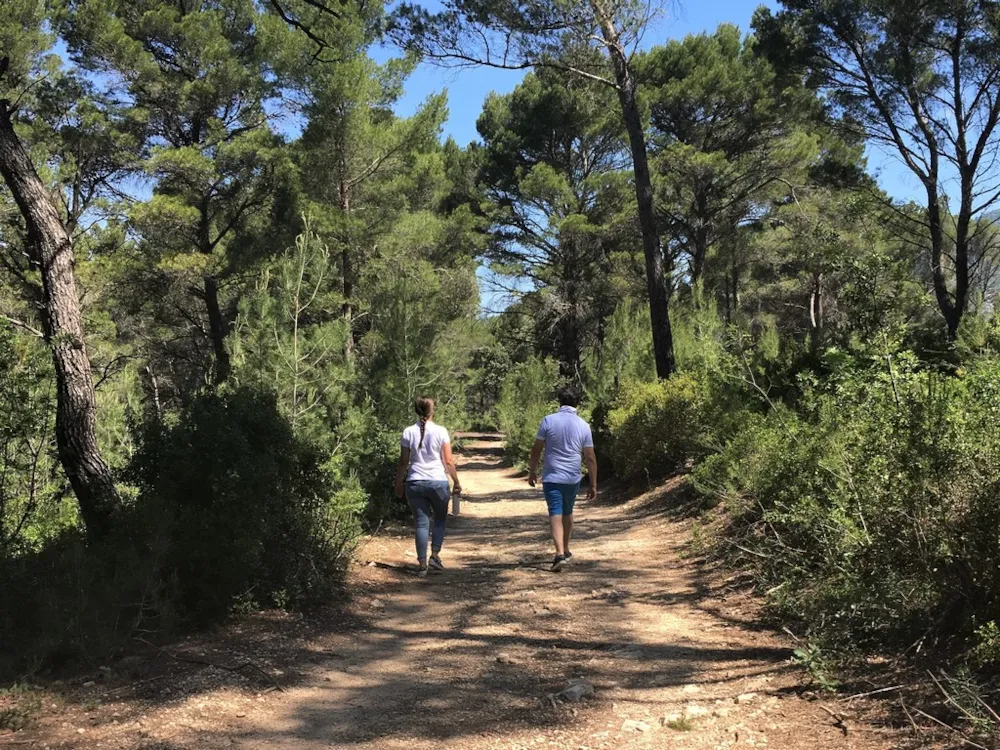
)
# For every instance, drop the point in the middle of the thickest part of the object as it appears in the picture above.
(401, 467)
(448, 459)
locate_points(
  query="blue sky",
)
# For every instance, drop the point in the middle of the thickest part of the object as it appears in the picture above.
(468, 87)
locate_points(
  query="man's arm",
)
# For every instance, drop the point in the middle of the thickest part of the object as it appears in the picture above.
(536, 453)
(401, 467)
(590, 458)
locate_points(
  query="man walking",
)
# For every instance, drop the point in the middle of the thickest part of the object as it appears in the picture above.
(565, 438)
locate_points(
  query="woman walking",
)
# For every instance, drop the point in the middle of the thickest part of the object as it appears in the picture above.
(425, 463)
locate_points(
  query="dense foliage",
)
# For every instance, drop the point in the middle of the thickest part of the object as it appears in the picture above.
(839, 425)
(274, 264)
(248, 506)
(870, 510)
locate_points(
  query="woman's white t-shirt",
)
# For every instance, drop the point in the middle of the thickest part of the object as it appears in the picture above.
(425, 462)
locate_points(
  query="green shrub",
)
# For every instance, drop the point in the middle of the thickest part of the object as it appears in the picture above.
(250, 508)
(526, 397)
(70, 600)
(233, 511)
(656, 427)
(368, 451)
(986, 648)
(871, 512)
(35, 505)
(625, 353)
(18, 707)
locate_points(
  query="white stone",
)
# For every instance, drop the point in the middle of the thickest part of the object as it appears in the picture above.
(695, 712)
(631, 725)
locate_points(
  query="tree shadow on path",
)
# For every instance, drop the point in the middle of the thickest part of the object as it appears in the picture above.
(468, 658)
(474, 653)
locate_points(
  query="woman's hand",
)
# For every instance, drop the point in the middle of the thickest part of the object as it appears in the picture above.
(400, 489)
(456, 489)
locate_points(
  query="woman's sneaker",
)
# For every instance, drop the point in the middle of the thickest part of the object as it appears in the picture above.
(422, 573)
(568, 556)
(435, 563)
(558, 563)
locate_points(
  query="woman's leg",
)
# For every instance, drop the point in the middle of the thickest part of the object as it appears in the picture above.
(439, 497)
(421, 520)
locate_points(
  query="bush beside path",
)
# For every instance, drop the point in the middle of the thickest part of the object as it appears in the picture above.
(496, 652)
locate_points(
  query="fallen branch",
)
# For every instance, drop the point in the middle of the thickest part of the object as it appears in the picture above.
(749, 551)
(987, 706)
(370, 538)
(916, 729)
(961, 735)
(838, 721)
(874, 692)
(140, 683)
(392, 566)
(206, 663)
(948, 698)
(792, 635)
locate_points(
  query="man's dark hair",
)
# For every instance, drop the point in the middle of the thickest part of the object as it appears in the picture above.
(569, 395)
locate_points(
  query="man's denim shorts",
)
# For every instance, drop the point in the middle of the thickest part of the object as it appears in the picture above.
(560, 497)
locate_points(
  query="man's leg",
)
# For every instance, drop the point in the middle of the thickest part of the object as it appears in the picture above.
(557, 534)
(554, 502)
(569, 501)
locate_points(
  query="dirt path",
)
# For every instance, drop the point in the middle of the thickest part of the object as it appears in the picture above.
(467, 658)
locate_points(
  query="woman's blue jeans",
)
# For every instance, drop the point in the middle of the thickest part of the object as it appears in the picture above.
(427, 498)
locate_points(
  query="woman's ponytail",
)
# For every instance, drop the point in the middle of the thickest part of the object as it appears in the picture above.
(425, 410)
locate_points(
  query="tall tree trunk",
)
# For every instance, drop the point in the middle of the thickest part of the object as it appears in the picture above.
(700, 240)
(963, 237)
(569, 355)
(347, 308)
(968, 166)
(51, 250)
(698, 255)
(732, 286)
(218, 329)
(948, 305)
(218, 325)
(657, 265)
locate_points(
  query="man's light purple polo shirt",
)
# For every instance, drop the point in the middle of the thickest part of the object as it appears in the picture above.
(565, 435)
